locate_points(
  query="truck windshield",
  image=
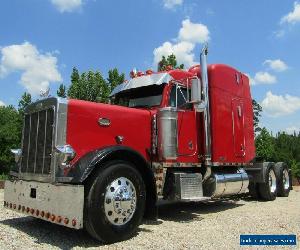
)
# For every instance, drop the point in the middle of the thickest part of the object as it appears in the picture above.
(147, 96)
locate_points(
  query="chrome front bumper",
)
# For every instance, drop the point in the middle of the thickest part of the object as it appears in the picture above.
(60, 204)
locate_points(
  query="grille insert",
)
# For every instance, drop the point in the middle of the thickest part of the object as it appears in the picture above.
(37, 142)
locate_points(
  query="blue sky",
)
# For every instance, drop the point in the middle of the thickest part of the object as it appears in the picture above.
(41, 41)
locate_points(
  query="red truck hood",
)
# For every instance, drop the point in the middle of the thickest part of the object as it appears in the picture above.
(85, 134)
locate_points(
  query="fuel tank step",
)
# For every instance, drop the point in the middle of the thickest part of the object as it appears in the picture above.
(186, 187)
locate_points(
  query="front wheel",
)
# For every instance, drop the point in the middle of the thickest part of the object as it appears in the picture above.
(115, 202)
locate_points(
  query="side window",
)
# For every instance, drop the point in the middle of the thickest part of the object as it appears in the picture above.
(182, 97)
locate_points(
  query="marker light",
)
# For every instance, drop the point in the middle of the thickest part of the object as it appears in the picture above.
(149, 71)
(17, 153)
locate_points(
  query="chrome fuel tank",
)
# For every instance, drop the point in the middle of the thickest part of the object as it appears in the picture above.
(167, 133)
(226, 184)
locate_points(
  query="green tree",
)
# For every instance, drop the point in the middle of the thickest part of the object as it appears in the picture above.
(264, 145)
(115, 78)
(75, 75)
(89, 86)
(61, 92)
(257, 109)
(10, 135)
(24, 102)
(169, 61)
(285, 147)
(295, 168)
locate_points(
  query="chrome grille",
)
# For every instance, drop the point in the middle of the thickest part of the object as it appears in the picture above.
(37, 142)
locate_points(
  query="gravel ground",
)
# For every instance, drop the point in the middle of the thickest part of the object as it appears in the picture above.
(211, 225)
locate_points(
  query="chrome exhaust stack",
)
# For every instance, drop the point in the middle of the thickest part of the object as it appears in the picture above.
(200, 99)
(206, 114)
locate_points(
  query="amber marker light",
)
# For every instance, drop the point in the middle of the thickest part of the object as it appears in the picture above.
(53, 217)
(37, 212)
(32, 211)
(66, 221)
(149, 72)
(27, 209)
(42, 213)
(73, 222)
(59, 219)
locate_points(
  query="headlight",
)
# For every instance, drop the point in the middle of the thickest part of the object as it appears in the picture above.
(66, 152)
(17, 153)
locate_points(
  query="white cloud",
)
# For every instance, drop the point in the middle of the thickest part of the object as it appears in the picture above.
(171, 4)
(2, 103)
(38, 69)
(292, 17)
(292, 129)
(67, 5)
(278, 105)
(182, 50)
(264, 78)
(276, 65)
(189, 35)
(193, 32)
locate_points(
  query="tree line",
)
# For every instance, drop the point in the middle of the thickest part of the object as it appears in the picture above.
(92, 86)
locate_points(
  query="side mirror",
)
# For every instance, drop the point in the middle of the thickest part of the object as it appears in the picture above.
(196, 91)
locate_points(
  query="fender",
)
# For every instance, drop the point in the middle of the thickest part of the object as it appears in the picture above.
(85, 166)
(257, 173)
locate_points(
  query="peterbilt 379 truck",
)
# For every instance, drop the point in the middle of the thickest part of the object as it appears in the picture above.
(177, 135)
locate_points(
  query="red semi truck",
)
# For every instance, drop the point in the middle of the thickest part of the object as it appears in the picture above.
(184, 135)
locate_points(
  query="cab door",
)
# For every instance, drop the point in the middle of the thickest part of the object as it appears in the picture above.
(238, 127)
(186, 126)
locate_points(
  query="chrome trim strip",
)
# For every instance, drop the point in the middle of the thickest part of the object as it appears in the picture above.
(36, 140)
(177, 164)
(28, 144)
(237, 164)
(44, 152)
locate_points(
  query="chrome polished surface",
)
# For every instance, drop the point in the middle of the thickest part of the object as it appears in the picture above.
(286, 179)
(45, 129)
(206, 113)
(66, 153)
(272, 181)
(167, 133)
(120, 201)
(227, 184)
(17, 153)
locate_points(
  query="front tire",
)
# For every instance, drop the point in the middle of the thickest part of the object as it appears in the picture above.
(268, 189)
(115, 202)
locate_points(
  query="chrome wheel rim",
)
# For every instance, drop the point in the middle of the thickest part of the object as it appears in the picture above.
(120, 201)
(272, 181)
(286, 179)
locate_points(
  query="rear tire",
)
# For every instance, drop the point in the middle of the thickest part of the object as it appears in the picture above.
(114, 202)
(268, 189)
(283, 179)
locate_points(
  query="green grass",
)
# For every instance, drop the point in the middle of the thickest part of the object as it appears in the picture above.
(3, 176)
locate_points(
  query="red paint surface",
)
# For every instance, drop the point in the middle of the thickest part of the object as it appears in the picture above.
(232, 137)
(85, 134)
(232, 134)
